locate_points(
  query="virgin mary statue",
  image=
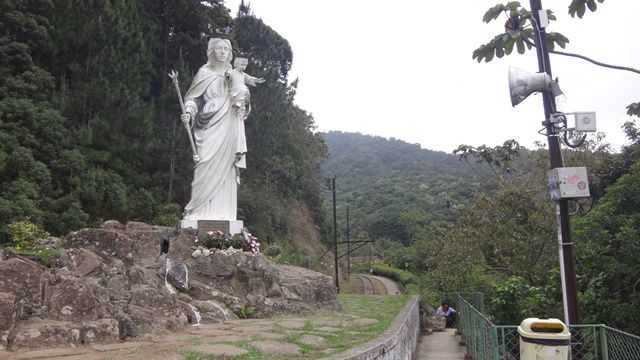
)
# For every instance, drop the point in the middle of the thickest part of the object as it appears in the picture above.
(218, 136)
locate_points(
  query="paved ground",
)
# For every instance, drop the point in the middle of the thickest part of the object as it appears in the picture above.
(271, 336)
(441, 345)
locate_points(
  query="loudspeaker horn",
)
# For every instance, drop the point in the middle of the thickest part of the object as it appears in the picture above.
(522, 84)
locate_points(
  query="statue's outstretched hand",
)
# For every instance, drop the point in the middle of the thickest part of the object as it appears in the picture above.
(186, 117)
(260, 81)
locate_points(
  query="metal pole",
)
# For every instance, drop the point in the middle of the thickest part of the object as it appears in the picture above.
(603, 341)
(335, 233)
(570, 289)
(370, 247)
(348, 248)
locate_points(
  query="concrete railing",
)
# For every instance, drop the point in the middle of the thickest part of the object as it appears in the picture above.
(399, 342)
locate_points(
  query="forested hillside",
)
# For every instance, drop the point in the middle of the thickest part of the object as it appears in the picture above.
(89, 119)
(391, 186)
(493, 228)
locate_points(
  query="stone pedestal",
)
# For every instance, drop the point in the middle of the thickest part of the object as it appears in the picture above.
(203, 226)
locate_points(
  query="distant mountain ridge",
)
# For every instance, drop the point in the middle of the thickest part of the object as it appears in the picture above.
(381, 179)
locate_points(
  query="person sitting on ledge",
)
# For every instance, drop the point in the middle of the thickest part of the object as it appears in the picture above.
(447, 312)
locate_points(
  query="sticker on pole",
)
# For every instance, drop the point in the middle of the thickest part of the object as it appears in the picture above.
(568, 183)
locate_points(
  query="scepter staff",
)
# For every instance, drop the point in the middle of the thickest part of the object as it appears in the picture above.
(174, 76)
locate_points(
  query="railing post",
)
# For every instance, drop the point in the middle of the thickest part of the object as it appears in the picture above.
(596, 346)
(603, 341)
(496, 348)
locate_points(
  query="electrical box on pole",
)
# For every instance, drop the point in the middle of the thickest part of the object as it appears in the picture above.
(585, 121)
(568, 183)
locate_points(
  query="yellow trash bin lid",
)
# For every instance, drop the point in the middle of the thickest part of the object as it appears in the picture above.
(550, 332)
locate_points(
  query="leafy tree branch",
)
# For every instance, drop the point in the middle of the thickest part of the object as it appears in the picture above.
(519, 33)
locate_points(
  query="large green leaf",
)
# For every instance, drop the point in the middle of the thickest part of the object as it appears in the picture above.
(557, 38)
(493, 13)
(513, 5)
(508, 45)
(520, 45)
(579, 7)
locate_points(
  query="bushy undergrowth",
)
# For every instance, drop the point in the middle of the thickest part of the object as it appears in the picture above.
(26, 235)
(403, 277)
(27, 239)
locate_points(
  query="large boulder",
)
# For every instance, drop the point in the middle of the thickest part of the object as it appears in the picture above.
(22, 278)
(260, 283)
(114, 283)
(7, 315)
(177, 274)
(71, 299)
(39, 334)
(102, 242)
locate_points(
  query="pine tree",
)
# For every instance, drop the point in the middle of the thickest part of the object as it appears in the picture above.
(284, 154)
(102, 68)
(37, 162)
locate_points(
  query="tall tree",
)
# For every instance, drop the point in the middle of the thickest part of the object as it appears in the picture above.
(102, 68)
(37, 162)
(284, 152)
(608, 242)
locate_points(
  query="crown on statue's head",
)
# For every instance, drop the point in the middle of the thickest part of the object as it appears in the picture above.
(223, 33)
(218, 35)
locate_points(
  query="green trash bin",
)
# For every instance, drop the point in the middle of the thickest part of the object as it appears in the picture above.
(544, 339)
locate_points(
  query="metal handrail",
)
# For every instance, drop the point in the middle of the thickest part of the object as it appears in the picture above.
(486, 341)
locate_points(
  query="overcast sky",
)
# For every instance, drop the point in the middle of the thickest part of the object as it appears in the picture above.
(403, 69)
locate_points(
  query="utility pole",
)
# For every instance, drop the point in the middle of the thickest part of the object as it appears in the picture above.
(370, 247)
(335, 233)
(567, 262)
(348, 248)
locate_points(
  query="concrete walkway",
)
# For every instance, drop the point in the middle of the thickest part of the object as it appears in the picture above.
(441, 345)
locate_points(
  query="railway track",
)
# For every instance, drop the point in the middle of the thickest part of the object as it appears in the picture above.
(368, 287)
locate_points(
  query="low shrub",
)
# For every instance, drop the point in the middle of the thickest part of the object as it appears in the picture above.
(26, 235)
(403, 277)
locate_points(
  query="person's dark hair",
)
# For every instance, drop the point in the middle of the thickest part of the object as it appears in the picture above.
(444, 303)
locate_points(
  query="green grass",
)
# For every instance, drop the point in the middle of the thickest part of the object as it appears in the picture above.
(384, 309)
(252, 353)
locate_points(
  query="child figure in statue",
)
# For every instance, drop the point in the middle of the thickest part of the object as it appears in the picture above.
(238, 90)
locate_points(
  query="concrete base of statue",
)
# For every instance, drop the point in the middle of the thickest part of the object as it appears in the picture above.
(204, 226)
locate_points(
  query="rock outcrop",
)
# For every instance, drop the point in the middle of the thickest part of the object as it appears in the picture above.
(429, 322)
(113, 283)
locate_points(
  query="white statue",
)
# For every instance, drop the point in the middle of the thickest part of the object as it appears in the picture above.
(218, 131)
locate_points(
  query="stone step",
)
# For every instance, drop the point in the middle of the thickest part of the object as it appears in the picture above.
(441, 345)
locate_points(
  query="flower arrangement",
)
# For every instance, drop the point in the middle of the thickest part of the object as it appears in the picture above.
(220, 240)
